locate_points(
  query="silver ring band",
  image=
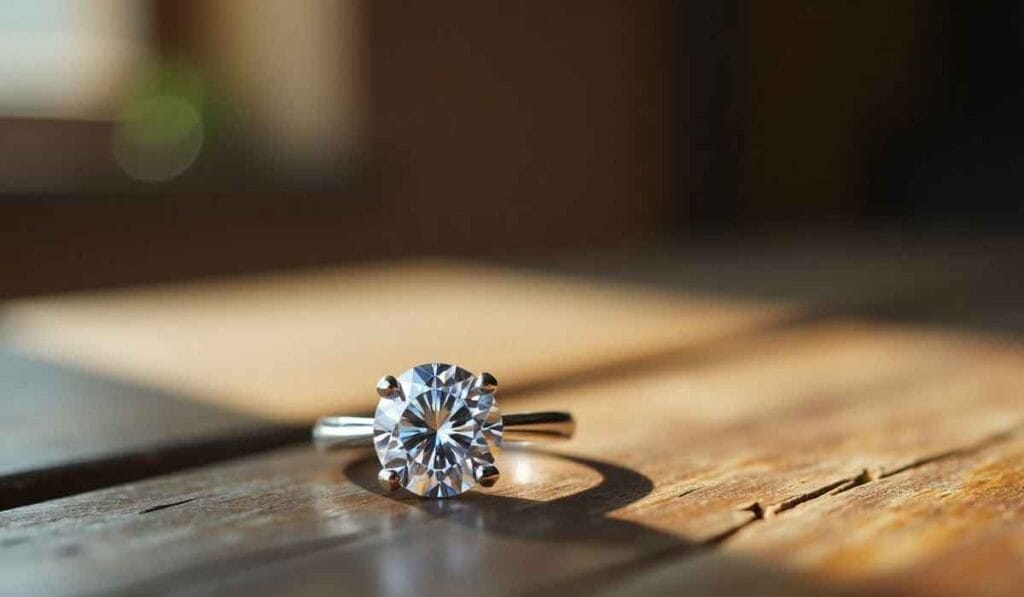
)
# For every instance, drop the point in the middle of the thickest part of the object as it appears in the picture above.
(521, 428)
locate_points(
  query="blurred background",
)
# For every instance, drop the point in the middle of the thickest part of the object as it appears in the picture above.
(154, 140)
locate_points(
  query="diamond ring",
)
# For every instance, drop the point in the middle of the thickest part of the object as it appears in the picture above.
(437, 429)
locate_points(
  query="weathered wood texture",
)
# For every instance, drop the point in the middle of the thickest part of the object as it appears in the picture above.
(64, 431)
(810, 452)
(280, 349)
(789, 421)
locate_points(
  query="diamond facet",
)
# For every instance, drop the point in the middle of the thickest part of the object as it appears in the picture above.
(437, 430)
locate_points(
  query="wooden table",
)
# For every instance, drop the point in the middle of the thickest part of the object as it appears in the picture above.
(839, 415)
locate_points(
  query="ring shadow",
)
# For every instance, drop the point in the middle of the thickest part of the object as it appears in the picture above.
(579, 517)
(582, 518)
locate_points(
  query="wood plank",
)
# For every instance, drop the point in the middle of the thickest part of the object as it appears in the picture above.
(665, 471)
(296, 346)
(204, 365)
(65, 431)
(951, 524)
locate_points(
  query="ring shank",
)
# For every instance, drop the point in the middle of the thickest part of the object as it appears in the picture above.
(525, 428)
(519, 428)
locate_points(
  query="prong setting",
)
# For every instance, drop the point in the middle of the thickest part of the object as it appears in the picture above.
(487, 475)
(389, 479)
(387, 387)
(486, 383)
(436, 429)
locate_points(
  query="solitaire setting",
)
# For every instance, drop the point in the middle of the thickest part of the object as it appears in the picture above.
(437, 430)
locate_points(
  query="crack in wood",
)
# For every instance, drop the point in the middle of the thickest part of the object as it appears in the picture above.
(687, 492)
(760, 512)
(865, 476)
(21, 489)
(974, 448)
(166, 506)
(803, 498)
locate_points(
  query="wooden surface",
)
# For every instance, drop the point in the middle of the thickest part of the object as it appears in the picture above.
(65, 431)
(859, 436)
(292, 347)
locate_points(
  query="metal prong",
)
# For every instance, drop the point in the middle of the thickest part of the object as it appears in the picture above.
(486, 383)
(487, 475)
(387, 387)
(389, 479)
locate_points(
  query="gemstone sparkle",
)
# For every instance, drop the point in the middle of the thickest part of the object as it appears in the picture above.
(437, 430)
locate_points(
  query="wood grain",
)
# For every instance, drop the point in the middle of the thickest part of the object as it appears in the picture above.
(65, 431)
(950, 525)
(827, 455)
(294, 347)
(116, 386)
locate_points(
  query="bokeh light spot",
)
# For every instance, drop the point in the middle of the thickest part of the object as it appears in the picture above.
(158, 138)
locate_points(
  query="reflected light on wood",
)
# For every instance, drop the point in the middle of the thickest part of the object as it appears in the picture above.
(295, 347)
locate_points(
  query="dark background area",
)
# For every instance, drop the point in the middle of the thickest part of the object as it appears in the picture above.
(488, 129)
